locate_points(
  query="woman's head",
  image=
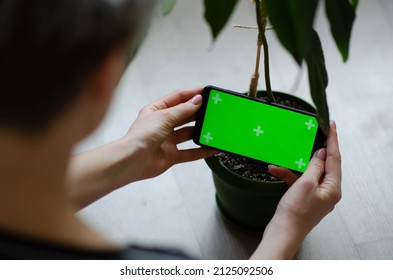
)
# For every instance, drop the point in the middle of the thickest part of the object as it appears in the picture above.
(50, 49)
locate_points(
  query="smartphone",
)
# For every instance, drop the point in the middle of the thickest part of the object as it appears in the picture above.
(264, 131)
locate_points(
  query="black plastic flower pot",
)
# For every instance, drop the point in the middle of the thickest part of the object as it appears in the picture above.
(249, 203)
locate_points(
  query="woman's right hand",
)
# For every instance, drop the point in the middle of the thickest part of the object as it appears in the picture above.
(309, 199)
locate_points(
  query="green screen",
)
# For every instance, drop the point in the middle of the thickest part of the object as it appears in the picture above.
(257, 130)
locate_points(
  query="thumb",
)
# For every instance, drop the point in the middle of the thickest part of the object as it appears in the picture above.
(186, 109)
(316, 167)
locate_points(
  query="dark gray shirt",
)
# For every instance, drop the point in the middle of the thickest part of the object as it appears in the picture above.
(17, 247)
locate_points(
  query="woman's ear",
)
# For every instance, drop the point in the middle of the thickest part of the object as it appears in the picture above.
(105, 79)
(99, 89)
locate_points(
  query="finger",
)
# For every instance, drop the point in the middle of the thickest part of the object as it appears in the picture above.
(183, 111)
(333, 157)
(187, 120)
(285, 174)
(195, 154)
(183, 134)
(316, 167)
(175, 98)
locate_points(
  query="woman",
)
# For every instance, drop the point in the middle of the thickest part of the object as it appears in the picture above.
(60, 61)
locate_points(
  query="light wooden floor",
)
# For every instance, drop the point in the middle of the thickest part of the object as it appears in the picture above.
(178, 209)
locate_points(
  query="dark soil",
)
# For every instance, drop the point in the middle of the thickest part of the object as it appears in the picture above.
(250, 168)
(246, 167)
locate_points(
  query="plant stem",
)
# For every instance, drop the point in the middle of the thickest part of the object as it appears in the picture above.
(261, 20)
(267, 68)
(255, 77)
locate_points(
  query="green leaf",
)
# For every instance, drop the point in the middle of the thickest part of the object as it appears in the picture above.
(354, 3)
(217, 13)
(341, 15)
(318, 80)
(292, 21)
(167, 6)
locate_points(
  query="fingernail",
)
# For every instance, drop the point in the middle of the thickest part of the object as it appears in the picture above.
(270, 166)
(196, 100)
(333, 124)
(321, 154)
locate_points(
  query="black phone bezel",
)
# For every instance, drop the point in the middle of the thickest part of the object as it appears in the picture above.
(320, 137)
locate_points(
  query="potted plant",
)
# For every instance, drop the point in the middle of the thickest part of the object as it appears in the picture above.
(246, 194)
